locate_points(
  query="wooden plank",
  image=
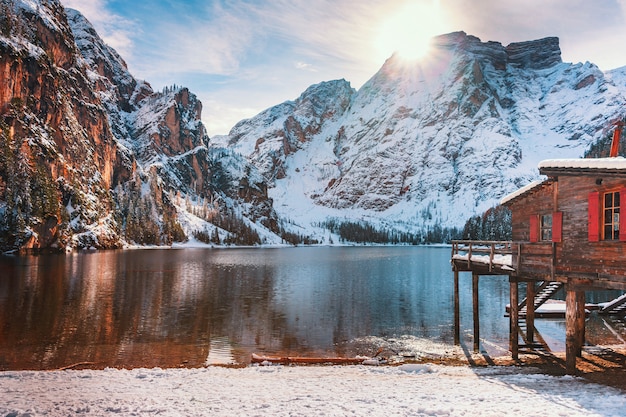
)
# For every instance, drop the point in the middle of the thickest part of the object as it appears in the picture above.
(288, 360)
(593, 216)
(530, 311)
(574, 327)
(557, 226)
(533, 231)
(475, 303)
(457, 310)
(514, 318)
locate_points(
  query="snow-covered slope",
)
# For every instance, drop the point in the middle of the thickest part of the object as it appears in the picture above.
(432, 142)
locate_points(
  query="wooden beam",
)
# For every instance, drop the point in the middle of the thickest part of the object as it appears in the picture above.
(476, 312)
(530, 311)
(457, 311)
(514, 318)
(574, 327)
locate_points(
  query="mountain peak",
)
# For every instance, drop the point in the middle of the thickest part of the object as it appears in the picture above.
(431, 142)
(537, 54)
(534, 54)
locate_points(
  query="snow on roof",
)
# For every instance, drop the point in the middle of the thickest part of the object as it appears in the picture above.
(600, 164)
(523, 190)
(584, 163)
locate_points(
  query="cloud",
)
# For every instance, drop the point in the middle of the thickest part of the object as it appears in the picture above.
(510, 21)
(115, 30)
(304, 66)
(198, 38)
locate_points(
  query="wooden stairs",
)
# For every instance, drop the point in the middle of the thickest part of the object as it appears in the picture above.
(533, 342)
(543, 293)
(615, 307)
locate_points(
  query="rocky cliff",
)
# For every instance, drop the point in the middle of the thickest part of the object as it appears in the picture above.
(92, 157)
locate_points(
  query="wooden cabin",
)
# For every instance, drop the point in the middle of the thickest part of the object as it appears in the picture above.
(568, 227)
(567, 233)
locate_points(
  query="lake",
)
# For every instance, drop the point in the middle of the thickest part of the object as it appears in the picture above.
(191, 307)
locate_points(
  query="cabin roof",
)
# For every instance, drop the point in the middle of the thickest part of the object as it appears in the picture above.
(527, 189)
(583, 166)
(578, 166)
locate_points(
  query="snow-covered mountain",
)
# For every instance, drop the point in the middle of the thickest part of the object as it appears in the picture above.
(92, 157)
(429, 143)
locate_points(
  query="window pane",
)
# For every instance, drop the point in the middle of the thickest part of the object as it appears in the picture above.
(608, 200)
(608, 233)
(608, 216)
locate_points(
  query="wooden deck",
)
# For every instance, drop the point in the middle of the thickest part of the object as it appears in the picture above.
(484, 257)
(536, 266)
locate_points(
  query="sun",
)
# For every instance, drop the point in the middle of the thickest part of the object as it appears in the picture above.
(408, 30)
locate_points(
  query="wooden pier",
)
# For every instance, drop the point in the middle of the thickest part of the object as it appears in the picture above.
(568, 234)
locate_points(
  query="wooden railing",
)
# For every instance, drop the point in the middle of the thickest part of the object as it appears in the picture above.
(492, 253)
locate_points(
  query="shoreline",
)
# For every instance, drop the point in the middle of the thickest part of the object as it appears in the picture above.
(604, 365)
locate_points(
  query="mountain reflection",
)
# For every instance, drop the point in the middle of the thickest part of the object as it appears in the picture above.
(170, 308)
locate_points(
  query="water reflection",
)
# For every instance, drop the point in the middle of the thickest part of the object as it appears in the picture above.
(195, 306)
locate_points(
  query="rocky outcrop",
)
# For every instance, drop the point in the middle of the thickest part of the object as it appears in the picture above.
(92, 157)
(287, 128)
(536, 55)
(55, 133)
(104, 60)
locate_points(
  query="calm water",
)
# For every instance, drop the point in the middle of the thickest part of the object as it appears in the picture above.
(195, 306)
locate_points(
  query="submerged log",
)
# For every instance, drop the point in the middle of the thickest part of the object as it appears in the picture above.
(289, 360)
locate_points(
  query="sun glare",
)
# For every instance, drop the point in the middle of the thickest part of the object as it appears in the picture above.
(409, 30)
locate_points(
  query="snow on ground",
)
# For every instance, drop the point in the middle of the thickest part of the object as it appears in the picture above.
(407, 390)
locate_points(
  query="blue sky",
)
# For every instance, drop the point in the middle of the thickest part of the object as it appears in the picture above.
(242, 56)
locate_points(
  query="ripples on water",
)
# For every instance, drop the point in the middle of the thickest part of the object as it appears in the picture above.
(194, 307)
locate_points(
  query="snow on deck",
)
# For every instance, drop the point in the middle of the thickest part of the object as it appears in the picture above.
(503, 261)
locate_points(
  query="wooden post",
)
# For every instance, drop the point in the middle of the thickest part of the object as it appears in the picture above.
(580, 321)
(530, 311)
(476, 312)
(574, 327)
(457, 311)
(514, 318)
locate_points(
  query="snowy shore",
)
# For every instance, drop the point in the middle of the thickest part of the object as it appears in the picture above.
(406, 390)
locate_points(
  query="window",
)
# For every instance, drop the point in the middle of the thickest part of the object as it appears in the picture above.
(610, 217)
(546, 227)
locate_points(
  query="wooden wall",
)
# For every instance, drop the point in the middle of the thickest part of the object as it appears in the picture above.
(537, 202)
(578, 254)
(601, 263)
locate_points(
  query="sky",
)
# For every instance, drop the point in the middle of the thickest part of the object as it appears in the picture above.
(243, 56)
